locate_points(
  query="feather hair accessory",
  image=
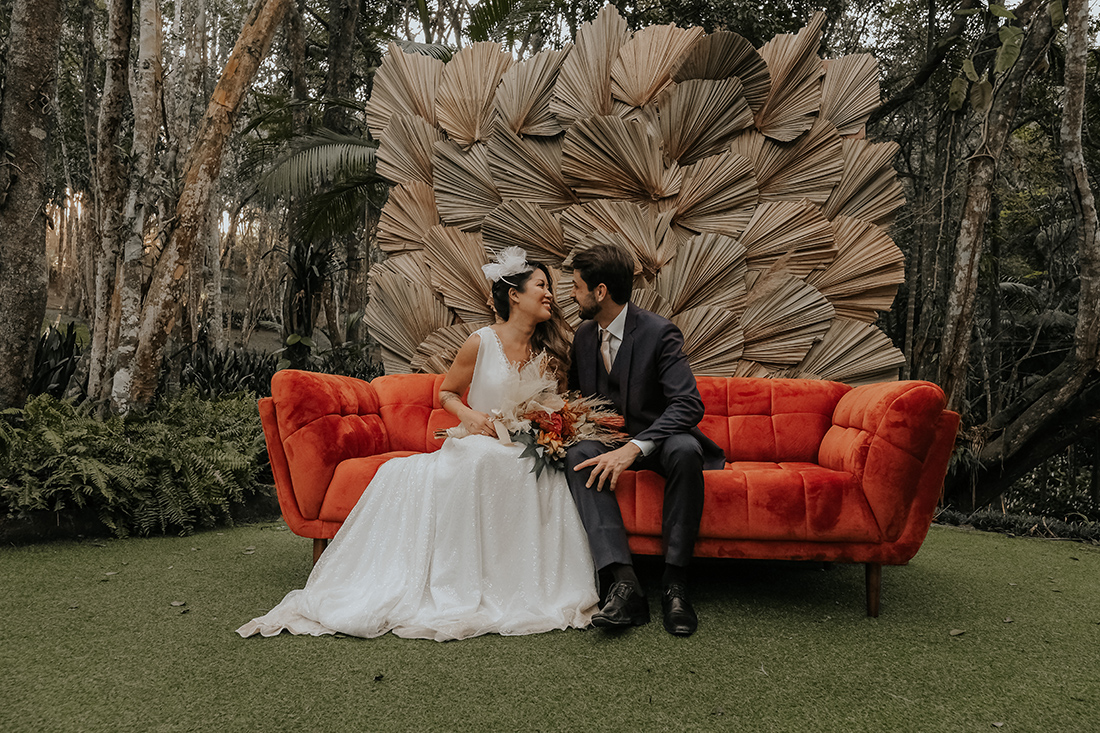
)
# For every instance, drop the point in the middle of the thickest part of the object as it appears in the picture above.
(510, 261)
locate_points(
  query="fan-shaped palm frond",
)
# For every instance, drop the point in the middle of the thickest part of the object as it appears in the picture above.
(808, 168)
(851, 92)
(642, 230)
(651, 300)
(407, 150)
(869, 187)
(707, 271)
(435, 353)
(464, 105)
(783, 319)
(645, 63)
(409, 214)
(713, 340)
(795, 94)
(608, 157)
(718, 194)
(722, 55)
(751, 370)
(455, 259)
(523, 97)
(405, 84)
(864, 277)
(699, 117)
(529, 169)
(583, 88)
(464, 188)
(403, 310)
(795, 233)
(851, 352)
(521, 224)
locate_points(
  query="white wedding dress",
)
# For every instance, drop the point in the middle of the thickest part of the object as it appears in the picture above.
(451, 544)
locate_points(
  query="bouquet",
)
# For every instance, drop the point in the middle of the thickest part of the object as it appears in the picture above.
(533, 413)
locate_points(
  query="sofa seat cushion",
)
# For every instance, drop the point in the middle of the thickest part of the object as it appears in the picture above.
(350, 480)
(761, 500)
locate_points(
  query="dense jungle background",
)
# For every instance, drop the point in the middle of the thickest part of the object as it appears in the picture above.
(189, 201)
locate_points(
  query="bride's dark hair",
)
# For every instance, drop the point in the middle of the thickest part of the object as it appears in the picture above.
(552, 336)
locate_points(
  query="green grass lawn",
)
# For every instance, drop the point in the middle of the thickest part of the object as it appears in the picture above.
(90, 640)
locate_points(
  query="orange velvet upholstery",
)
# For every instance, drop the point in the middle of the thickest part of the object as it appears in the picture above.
(815, 470)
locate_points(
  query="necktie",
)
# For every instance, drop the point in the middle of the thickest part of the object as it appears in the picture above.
(605, 348)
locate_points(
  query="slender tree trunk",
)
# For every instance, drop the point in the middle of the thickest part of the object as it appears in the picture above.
(1055, 411)
(138, 203)
(111, 174)
(969, 246)
(29, 81)
(202, 171)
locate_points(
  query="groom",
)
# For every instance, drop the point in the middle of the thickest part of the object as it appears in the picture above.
(635, 359)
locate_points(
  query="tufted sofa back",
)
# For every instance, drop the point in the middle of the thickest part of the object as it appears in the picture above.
(340, 420)
(409, 406)
(769, 420)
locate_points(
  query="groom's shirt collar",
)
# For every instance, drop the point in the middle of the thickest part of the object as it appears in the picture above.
(618, 326)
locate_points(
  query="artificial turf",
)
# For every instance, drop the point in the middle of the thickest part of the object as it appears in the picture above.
(90, 640)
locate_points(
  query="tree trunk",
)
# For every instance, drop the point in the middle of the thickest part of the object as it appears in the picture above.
(29, 81)
(969, 246)
(138, 204)
(200, 176)
(111, 176)
(1055, 411)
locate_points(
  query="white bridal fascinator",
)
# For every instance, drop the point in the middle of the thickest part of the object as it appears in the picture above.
(510, 261)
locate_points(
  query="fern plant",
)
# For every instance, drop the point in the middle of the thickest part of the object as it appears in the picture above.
(184, 463)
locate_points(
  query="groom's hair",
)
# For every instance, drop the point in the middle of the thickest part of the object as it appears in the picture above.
(609, 264)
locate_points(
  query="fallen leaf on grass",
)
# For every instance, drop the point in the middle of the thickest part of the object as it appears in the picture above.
(1008, 619)
(378, 677)
(957, 632)
(113, 572)
(998, 725)
(179, 603)
(73, 607)
(250, 550)
(184, 610)
(100, 544)
(763, 671)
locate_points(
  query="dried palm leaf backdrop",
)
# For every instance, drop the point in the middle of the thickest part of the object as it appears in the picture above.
(737, 177)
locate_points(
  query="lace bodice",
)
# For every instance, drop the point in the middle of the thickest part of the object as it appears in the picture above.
(492, 370)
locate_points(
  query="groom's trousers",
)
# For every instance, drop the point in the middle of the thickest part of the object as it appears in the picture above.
(679, 459)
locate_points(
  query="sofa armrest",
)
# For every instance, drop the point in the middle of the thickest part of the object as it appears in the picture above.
(882, 434)
(323, 420)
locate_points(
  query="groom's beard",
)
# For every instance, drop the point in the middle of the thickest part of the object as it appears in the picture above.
(588, 310)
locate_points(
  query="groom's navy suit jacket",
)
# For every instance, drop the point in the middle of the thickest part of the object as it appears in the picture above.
(659, 397)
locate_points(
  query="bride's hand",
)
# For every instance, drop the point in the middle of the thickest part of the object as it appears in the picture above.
(479, 423)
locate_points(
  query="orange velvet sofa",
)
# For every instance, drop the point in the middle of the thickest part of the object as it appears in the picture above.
(817, 471)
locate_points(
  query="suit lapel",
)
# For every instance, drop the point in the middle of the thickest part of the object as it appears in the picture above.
(587, 366)
(626, 353)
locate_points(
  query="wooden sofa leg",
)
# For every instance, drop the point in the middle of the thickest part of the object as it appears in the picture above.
(318, 547)
(874, 585)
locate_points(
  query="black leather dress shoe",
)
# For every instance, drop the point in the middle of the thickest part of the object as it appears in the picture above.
(624, 607)
(680, 618)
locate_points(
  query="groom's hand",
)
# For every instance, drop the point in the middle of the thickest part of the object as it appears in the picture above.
(608, 466)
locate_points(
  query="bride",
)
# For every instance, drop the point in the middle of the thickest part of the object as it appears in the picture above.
(466, 540)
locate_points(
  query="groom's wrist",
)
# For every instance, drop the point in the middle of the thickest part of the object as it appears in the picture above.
(644, 446)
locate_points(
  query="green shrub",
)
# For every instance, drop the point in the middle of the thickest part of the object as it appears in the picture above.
(184, 463)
